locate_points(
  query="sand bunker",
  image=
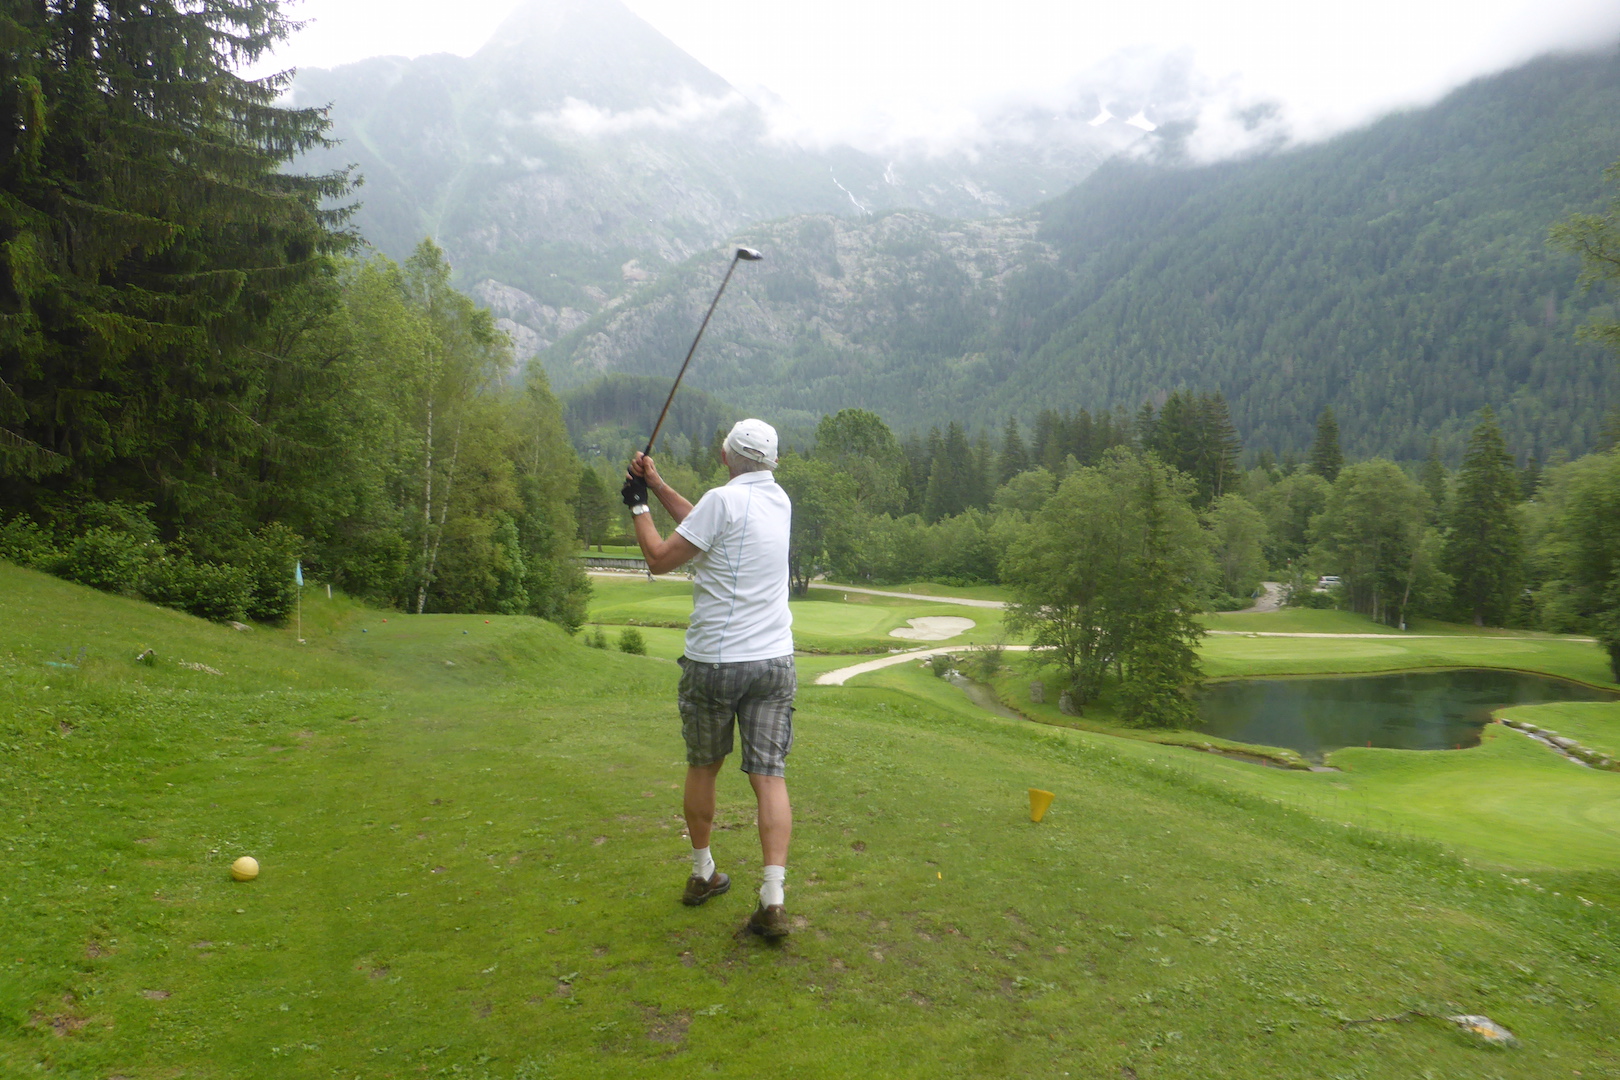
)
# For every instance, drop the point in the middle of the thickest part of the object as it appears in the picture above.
(933, 628)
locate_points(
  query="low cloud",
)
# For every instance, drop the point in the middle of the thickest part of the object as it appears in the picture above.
(686, 108)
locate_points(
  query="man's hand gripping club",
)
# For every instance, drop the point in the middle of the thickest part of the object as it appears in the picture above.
(662, 555)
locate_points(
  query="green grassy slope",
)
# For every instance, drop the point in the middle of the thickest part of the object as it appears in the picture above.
(472, 854)
(1588, 723)
(1508, 802)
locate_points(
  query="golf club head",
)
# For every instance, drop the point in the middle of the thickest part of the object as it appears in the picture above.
(749, 254)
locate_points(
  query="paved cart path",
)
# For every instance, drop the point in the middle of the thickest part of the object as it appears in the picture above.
(964, 601)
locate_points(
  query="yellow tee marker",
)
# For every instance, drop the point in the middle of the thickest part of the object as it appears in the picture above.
(1038, 802)
(245, 869)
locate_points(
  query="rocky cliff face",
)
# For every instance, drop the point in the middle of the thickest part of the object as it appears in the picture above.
(580, 154)
(841, 312)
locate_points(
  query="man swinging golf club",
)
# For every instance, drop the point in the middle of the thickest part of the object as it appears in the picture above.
(738, 669)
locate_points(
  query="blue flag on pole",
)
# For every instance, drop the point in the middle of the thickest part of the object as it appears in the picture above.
(298, 573)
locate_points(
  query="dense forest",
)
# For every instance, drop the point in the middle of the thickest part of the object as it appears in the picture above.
(202, 380)
(1400, 273)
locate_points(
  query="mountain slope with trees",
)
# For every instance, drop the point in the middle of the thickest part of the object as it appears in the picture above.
(1399, 274)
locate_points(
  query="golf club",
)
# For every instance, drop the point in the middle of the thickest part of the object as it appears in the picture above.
(743, 255)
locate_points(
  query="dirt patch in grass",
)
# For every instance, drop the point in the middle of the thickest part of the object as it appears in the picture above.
(667, 1028)
(62, 1024)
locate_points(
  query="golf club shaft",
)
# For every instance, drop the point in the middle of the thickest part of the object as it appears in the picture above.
(680, 374)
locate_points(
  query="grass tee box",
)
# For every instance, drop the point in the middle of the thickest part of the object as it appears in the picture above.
(471, 859)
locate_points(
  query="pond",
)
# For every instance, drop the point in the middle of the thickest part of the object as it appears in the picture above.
(1418, 710)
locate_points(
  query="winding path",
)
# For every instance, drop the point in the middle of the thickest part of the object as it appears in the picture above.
(839, 676)
(964, 601)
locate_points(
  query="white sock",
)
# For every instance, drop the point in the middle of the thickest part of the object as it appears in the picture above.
(771, 892)
(702, 863)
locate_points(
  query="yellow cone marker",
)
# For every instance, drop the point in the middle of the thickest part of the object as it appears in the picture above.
(245, 869)
(1038, 802)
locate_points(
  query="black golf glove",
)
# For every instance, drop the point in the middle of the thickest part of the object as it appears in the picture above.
(634, 492)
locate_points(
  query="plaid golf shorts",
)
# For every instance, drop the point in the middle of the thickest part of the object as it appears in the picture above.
(758, 693)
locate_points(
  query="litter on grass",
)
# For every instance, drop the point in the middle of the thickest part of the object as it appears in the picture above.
(1485, 1029)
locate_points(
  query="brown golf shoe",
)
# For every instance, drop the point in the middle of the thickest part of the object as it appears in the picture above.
(770, 923)
(698, 890)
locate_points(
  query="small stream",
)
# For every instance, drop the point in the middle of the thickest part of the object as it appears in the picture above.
(1417, 710)
(982, 696)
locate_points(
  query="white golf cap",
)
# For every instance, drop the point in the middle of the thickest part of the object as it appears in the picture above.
(754, 440)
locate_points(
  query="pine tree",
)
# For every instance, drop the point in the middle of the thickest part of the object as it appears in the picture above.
(1144, 430)
(1530, 478)
(1220, 448)
(1326, 458)
(1047, 445)
(1433, 478)
(1159, 657)
(593, 507)
(915, 474)
(1174, 437)
(981, 480)
(950, 474)
(1082, 438)
(1484, 553)
(1014, 458)
(146, 228)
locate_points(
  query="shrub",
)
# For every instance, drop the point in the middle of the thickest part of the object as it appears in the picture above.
(111, 545)
(1310, 598)
(267, 561)
(596, 639)
(208, 590)
(940, 664)
(26, 544)
(104, 558)
(986, 661)
(631, 641)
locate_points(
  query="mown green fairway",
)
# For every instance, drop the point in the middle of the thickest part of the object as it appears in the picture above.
(825, 621)
(472, 854)
(1226, 657)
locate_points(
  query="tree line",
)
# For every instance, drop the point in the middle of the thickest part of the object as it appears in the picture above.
(1109, 560)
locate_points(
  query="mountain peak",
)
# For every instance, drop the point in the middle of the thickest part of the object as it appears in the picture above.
(597, 51)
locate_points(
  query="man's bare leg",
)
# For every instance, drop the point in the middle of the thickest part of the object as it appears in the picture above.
(699, 802)
(775, 817)
(706, 881)
(775, 830)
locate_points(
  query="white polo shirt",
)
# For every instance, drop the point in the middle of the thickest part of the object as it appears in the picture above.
(740, 582)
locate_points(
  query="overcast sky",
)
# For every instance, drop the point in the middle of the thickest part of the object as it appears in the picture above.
(867, 68)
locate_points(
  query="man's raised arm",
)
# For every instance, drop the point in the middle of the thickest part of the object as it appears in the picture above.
(662, 555)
